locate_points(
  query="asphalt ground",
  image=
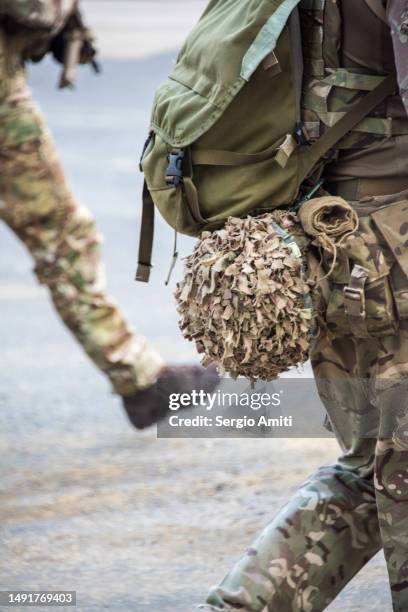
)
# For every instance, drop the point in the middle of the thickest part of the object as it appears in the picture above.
(128, 521)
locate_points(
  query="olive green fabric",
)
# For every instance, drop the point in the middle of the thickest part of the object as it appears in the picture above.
(229, 118)
(233, 88)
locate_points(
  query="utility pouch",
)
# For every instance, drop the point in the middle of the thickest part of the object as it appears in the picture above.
(399, 286)
(392, 221)
(363, 304)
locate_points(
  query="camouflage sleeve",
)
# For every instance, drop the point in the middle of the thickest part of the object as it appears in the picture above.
(38, 13)
(397, 15)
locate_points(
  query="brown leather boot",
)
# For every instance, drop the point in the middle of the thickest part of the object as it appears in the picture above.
(148, 406)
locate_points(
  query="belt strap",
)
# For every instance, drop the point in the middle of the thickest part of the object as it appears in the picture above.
(146, 237)
(354, 302)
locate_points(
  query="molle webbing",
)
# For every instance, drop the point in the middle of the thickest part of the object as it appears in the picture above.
(331, 137)
(336, 74)
(312, 21)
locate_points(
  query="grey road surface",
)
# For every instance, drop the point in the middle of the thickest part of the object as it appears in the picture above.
(130, 522)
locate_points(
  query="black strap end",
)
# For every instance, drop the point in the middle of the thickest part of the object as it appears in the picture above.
(143, 272)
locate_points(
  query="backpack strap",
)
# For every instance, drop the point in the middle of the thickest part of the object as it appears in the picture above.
(146, 237)
(204, 157)
(311, 155)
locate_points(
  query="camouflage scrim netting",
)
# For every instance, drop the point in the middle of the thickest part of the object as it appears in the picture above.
(245, 300)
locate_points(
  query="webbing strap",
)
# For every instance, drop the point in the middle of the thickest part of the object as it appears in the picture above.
(313, 5)
(189, 189)
(144, 265)
(314, 67)
(229, 158)
(341, 77)
(377, 126)
(146, 237)
(313, 154)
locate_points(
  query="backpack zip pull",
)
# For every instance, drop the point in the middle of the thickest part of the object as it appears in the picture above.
(173, 259)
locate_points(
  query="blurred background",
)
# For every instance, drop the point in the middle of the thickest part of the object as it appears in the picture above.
(128, 521)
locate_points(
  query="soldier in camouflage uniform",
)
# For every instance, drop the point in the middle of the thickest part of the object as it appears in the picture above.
(344, 513)
(37, 204)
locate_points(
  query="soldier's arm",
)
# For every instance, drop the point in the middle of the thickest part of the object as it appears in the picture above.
(397, 17)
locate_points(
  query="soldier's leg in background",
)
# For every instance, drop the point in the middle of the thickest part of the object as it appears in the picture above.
(61, 236)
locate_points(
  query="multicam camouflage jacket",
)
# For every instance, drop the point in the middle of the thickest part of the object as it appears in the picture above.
(38, 14)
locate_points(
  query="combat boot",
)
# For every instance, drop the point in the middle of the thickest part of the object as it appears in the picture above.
(148, 406)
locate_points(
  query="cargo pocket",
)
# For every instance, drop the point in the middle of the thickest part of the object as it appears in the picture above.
(362, 304)
(399, 284)
(381, 320)
(392, 222)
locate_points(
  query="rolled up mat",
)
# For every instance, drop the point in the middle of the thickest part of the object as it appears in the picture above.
(329, 215)
(330, 220)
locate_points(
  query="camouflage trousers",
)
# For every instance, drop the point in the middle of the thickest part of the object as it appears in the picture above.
(39, 207)
(344, 513)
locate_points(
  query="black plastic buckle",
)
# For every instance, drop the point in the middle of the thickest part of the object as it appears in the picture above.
(300, 134)
(174, 172)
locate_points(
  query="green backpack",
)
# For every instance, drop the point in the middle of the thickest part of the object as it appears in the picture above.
(226, 133)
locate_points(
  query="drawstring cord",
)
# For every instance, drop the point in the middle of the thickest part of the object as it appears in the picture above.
(173, 259)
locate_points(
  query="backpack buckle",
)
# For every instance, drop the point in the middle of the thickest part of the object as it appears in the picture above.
(355, 301)
(300, 134)
(174, 172)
